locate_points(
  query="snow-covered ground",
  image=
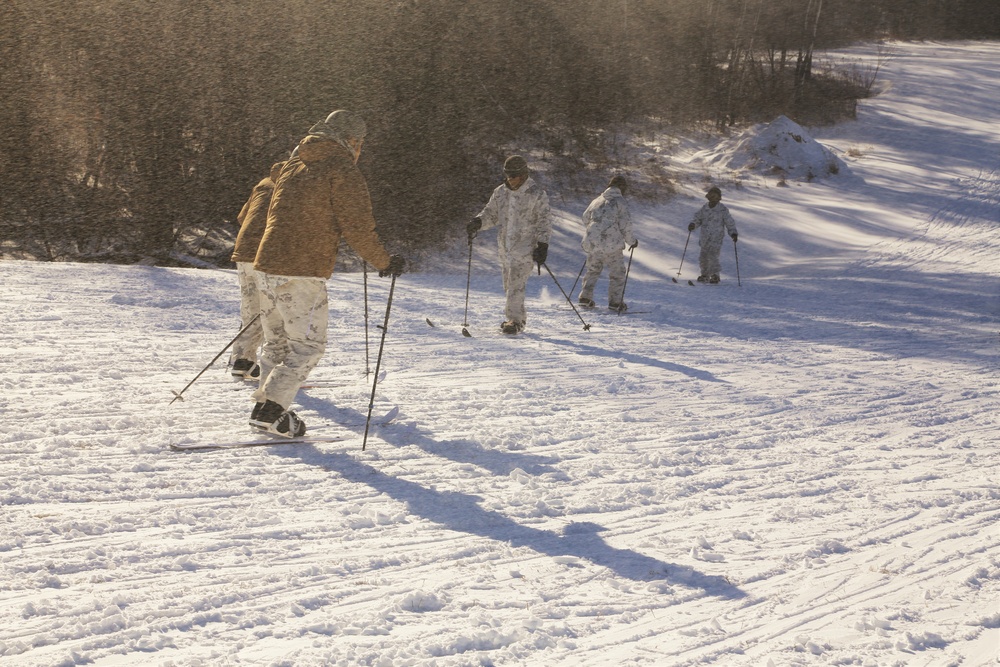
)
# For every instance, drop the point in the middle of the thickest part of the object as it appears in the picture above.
(801, 470)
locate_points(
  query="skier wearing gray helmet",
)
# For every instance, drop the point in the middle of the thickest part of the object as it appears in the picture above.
(319, 199)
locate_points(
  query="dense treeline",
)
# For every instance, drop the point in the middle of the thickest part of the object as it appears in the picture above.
(137, 129)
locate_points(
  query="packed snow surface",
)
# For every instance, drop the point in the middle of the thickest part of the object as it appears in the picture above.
(799, 466)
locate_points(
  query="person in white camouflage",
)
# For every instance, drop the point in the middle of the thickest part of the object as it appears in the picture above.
(607, 231)
(715, 222)
(253, 220)
(520, 207)
(320, 198)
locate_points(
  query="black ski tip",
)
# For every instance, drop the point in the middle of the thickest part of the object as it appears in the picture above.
(465, 332)
(690, 283)
(674, 279)
(428, 320)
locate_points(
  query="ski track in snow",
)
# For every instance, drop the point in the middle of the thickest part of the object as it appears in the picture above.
(798, 471)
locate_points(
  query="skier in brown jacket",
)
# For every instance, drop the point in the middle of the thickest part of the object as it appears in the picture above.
(252, 219)
(320, 197)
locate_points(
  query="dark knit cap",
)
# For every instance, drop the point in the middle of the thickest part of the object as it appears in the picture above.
(515, 166)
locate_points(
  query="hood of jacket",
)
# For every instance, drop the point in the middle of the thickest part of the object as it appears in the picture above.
(315, 148)
(276, 171)
(612, 193)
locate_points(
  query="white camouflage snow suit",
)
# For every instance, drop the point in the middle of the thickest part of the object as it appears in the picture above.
(608, 230)
(524, 220)
(715, 223)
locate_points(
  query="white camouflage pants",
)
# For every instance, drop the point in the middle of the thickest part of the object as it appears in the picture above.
(708, 259)
(516, 271)
(597, 260)
(246, 345)
(295, 315)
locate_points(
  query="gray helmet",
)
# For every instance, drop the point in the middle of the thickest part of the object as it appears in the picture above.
(618, 181)
(515, 166)
(715, 190)
(341, 124)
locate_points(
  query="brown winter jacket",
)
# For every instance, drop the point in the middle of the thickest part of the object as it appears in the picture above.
(253, 217)
(319, 198)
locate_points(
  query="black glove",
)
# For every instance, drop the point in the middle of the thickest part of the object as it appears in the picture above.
(691, 227)
(734, 236)
(473, 227)
(540, 253)
(395, 268)
(634, 245)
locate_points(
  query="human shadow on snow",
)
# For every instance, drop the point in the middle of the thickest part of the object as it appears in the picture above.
(895, 311)
(459, 451)
(461, 512)
(632, 358)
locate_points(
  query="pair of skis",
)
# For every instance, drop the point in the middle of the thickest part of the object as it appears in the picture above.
(269, 439)
(468, 282)
(262, 442)
(465, 323)
(739, 282)
(465, 327)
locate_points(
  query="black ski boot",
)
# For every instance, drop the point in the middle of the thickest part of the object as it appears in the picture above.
(246, 369)
(512, 327)
(273, 418)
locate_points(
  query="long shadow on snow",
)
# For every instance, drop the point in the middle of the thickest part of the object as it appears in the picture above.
(895, 312)
(593, 350)
(461, 512)
(460, 451)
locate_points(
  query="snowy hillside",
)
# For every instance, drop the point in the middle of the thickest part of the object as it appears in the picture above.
(802, 469)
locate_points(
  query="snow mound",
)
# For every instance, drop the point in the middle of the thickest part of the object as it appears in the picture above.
(780, 148)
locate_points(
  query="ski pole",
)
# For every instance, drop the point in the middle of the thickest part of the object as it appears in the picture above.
(738, 283)
(682, 256)
(573, 288)
(368, 368)
(378, 361)
(177, 394)
(468, 281)
(586, 327)
(621, 300)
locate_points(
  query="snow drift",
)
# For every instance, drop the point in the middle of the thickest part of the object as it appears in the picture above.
(781, 148)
